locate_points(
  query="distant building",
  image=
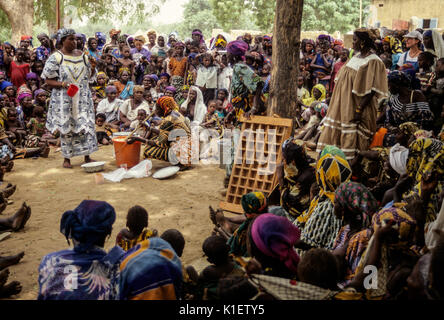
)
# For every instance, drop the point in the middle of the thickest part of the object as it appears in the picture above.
(407, 14)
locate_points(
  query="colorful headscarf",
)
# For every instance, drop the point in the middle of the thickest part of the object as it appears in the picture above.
(254, 203)
(237, 48)
(113, 32)
(331, 171)
(101, 73)
(152, 76)
(408, 128)
(101, 40)
(32, 75)
(423, 134)
(395, 44)
(6, 84)
(172, 89)
(88, 224)
(167, 104)
(180, 44)
(425, 156)
(164, 75)
(404, 223)
(110, 89)
(338, 42)
(325, 37)
(63, 33)
(37, 92)
(312, 99)
(122, 70)
(275, 237)
(334, 151)
(356, 198)
(23, 95)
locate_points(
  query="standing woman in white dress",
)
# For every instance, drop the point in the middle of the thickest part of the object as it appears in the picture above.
(73, 116)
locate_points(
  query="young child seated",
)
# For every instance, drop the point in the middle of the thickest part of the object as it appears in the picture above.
(102, 129)
(211, 119)
(190, 277)
(14, 129)
(310, 128)
(38, 135)
(222, 266)
(140, 124)
(136, 229)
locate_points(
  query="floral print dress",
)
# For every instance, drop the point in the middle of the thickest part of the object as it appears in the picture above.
(73, 117)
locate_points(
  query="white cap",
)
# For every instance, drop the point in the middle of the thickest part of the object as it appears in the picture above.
(414, 34)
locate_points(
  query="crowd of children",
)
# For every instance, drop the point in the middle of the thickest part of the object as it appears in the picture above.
(335, 215)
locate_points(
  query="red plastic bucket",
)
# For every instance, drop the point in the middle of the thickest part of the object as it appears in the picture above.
(126, 154)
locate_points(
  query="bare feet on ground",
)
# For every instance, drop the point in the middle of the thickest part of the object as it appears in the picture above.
(10, 260)
(21, 217)
(67, 164)
(10, 289)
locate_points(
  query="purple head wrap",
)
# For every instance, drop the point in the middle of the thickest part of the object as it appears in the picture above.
(31, 75)
(23, 95)
(164, 75)
(171, 88)
(179, 44)
(37, 92)
(152, 76)
(237, 48)
(275, 237)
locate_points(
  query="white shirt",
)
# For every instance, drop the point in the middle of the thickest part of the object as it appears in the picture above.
(207, 77)
(131, 115)
(110, 109)
(224, 79)
(405, 58)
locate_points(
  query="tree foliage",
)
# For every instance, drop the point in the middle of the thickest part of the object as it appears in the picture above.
(197, 14)
(239, 14)
(127, 11)
(328, 15)
(331, 15)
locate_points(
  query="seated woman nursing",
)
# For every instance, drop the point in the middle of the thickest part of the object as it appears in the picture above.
(159, 146)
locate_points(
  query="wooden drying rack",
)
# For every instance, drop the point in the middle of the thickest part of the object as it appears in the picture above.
(247, 176)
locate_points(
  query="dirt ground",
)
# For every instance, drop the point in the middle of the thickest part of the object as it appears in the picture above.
(180, 202)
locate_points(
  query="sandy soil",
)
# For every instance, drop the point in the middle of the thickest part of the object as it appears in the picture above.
(180, 202)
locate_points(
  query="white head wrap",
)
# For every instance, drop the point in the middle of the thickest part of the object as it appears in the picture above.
(398, 158)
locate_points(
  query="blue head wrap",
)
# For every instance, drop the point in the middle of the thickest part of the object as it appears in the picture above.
(88, 224)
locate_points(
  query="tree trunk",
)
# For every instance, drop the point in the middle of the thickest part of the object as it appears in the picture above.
(21, 17)
(286, 50)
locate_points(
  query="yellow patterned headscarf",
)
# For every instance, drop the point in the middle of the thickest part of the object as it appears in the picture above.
(426, 155)
(408, 128)
(312, 99)
(331, 171)
(395, 44)
(253, 203)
